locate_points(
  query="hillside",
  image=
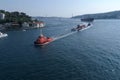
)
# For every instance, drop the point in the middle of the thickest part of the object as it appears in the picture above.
(15, 17)
(107, 15)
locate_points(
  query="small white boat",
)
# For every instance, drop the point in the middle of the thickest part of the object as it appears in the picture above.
(23, 30)
(3, 35)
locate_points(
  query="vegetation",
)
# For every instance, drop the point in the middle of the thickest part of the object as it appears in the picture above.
(108, 15)
(18, 17)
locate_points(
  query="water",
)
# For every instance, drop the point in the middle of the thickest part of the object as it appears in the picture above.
(91, 54)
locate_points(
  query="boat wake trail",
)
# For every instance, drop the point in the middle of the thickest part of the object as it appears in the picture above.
(63, 35)
(68, 34)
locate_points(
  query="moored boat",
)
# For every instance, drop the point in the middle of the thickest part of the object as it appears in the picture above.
(3, 35)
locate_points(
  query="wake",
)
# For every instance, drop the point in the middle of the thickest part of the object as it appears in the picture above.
(63, 36)
(68, 34)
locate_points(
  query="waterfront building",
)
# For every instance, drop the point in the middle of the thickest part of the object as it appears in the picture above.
(2, 16)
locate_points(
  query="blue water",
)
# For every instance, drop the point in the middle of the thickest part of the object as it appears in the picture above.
(92, 54)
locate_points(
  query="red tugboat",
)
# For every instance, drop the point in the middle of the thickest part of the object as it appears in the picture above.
(43, 40)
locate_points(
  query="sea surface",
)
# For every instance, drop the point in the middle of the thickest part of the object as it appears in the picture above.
(91, 54)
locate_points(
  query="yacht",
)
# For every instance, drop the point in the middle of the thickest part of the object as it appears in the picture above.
(3, 35)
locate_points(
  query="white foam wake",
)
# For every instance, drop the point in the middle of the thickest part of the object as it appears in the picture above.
(68, 34)
(64, 35)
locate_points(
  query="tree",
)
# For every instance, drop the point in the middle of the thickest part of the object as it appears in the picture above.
(2, 11)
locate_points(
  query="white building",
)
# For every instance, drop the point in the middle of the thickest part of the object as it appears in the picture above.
(33, 24)
(25, 24)
(38, 24)
(2, 16)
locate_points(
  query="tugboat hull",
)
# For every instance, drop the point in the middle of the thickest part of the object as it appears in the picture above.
(39, 44)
